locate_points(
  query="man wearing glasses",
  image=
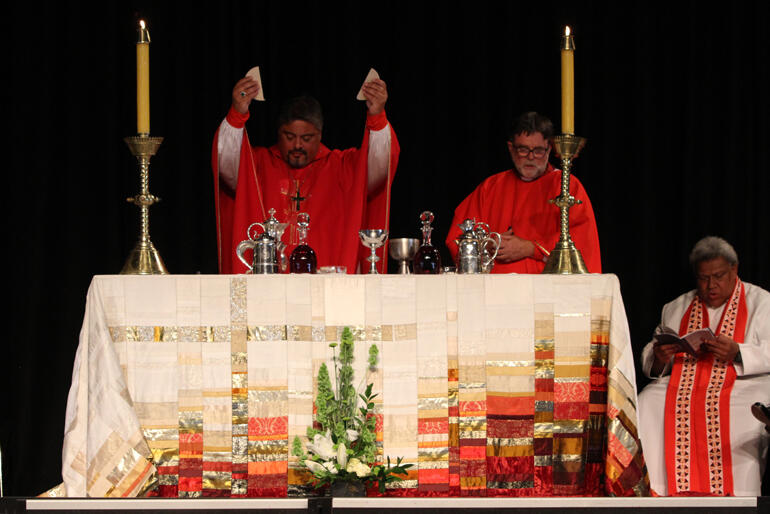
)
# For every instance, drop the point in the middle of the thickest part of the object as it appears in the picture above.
(515, 204)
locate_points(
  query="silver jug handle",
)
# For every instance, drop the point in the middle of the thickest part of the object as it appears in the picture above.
(283, 262)
(254, 237)
(483, 226)
(242, 247)
(496, 239)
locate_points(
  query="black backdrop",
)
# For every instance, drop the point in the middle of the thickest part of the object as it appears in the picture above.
(673, 99)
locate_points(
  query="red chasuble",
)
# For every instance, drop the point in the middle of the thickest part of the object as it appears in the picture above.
(697, 419)
(332, 189)
(504, 200)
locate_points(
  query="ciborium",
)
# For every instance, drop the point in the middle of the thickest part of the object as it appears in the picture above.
(565, 258)
(402, 249)
(373, 238)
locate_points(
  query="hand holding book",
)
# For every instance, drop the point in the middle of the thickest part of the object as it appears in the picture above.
(688, 343)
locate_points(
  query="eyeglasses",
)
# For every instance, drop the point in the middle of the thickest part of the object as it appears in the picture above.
(524, 151)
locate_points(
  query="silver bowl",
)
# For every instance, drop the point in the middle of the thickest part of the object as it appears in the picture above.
(402, 250)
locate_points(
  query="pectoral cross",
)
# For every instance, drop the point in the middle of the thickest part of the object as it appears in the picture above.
(297, 198)
(295, 206)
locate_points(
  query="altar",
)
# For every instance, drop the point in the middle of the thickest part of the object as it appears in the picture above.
(490, 385)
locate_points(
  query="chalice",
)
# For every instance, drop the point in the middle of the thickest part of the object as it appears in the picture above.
(402, 250)
(373, 238)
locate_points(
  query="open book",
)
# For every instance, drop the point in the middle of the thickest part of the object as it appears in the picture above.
(689, 343)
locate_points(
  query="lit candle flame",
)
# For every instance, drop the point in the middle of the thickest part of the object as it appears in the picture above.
(141, 24)
(566, 31)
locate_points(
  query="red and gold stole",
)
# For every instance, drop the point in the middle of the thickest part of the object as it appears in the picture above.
(697, 419)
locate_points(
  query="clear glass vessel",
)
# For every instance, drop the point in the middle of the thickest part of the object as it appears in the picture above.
(303, 258)
(427, 260)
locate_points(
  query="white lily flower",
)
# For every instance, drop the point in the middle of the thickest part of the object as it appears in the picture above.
(352, 434)
(314, 467)
(330, 467)
(342, 455)
(322, 446)
(359, 468)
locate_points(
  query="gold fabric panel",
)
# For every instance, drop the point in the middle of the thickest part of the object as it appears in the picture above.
(432, 404)
(569, 426)
(165, 454)
(374, 333)
(473, 482)
(216, 480)
(509, 441)
(628, 440)
(117, 335)
(512, 364)
(473, 423)
(524, 369)
(333, 333)
(510, 451)
(217, 454)
(168, 479)
(140, 334)
(437, 464)
(544, 429)
(238, 301)
(569, 466)
(239, 380)
(240, 446)
(318, 334)
(433, 455)
(267, 333)
(217, 334)
(572, 370)
(567, 446)
(299, 333)
(190, 422)
(268, 396)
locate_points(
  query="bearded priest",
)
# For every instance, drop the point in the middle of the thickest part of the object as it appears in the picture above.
(343, 191)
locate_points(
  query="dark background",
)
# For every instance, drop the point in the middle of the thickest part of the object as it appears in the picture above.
(673, 98)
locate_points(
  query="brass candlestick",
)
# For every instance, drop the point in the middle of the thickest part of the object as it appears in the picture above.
(144, 259)
(565, 259)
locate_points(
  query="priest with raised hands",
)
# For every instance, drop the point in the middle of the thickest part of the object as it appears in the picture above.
(698, 434)
(343, 191)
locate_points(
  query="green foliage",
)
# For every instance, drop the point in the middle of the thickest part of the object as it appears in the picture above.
(325, 403)
(374, 357)
(345, 417)
(297, 449)
(386, 474)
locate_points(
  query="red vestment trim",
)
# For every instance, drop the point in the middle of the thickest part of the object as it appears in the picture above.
(697, 414)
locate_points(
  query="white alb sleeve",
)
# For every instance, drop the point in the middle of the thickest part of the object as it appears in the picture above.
(229, 153)
(379, 151)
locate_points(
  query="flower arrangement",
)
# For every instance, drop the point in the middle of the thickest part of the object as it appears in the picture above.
(344, 447)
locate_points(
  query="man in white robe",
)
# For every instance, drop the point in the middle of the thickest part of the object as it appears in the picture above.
(715, 264)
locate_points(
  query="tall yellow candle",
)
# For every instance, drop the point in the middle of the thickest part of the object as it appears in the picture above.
(567, 83)
(143, 80)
